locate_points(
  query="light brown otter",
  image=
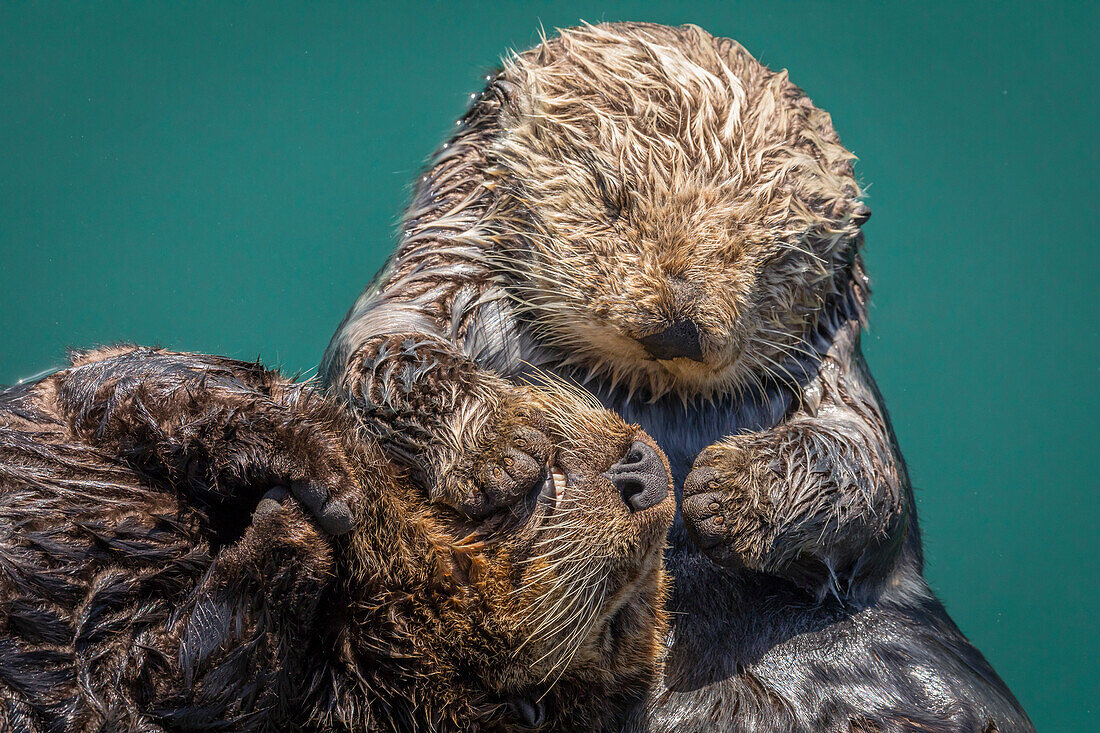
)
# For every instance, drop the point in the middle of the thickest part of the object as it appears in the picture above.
(138, 594)
(650, 211)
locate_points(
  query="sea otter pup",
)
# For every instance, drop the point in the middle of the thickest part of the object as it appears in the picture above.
(157, 573)
(651, 212)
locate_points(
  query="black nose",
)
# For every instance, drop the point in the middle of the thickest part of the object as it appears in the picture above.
(679, 339)
(641, 477)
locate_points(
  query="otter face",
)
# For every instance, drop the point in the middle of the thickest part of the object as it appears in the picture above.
(682, 211)
(572, 573)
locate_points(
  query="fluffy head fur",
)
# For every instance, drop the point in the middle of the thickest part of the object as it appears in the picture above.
(556, 604)
(644, 175)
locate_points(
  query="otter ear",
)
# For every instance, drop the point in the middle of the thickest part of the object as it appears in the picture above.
(860, 213)
(506, 90)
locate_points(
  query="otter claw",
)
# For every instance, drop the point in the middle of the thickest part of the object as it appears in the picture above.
(513, 465)
(703, 512)
(272, 501)
(333, 515)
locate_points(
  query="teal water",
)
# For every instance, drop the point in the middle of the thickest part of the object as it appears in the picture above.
(226, 178)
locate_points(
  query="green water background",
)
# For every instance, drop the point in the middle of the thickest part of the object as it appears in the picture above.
(226, 178)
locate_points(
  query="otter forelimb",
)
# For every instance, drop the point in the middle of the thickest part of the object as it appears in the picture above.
(819, 498)
(465, 432)
(223, 430)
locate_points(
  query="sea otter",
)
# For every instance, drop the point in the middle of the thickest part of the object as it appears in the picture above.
(193, 543)
(652, 213)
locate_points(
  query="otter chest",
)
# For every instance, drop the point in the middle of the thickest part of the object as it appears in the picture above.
(684, 430)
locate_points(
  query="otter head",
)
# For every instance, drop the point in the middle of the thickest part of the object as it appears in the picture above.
(547, 612)
(584, 556)
(667, 211)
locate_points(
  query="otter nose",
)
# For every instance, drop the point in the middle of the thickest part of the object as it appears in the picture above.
(679, 339)
(641, 477)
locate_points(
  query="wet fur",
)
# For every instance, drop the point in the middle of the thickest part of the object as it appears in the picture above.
(602, 185)
(156, 574)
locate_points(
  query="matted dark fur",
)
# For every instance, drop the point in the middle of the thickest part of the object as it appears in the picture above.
(157, 573)
(650, 211)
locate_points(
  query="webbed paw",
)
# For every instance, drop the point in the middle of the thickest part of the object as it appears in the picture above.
(727, 509)
(332, 513)
(502, 460)
(310, 464)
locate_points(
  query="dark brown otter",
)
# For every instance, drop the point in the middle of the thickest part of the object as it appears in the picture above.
(652, 212)
(157, 574)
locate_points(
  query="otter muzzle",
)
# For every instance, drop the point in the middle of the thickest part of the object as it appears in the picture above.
(681, 339)
(641, 477)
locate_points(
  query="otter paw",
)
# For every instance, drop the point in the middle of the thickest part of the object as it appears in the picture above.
(726, 508)
(283, 551)
(314, 468)
(332, 513)
(509, 457)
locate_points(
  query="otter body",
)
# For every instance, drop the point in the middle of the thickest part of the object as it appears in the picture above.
(752, 651)
(157, 573)
(135, 595)
(651, 213)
